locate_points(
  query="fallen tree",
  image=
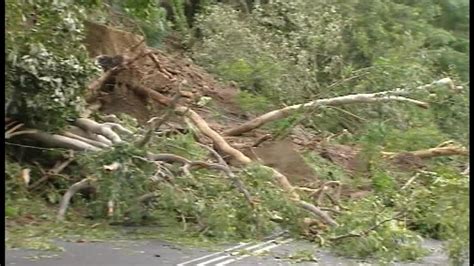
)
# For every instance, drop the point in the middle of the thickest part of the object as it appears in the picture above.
(90, 135)
(386, 96)
(90, 182)
(444, 149)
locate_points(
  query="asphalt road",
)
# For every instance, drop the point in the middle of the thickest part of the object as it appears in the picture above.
(155, 252)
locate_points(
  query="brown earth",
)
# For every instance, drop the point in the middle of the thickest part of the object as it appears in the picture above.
(174, 71)
(117, 97)
(282, 155)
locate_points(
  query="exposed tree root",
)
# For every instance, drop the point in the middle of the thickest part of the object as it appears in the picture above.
(12, 129)
(95, 85)
(93, 142)
(105, 129)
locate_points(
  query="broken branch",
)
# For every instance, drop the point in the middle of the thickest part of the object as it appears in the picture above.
(336, 101)
(85, 183)
(448, 150)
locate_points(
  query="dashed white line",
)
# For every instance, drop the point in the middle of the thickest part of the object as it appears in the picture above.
(247, 248)
(256, 252)
(210, 255)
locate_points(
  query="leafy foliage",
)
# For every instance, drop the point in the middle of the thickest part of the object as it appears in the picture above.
(436, 206)
(150, 17)
(282, 52)
(441, 210)
(253, 103)
(387, 242)
(46, 64)
(205, 204)
(292, 51)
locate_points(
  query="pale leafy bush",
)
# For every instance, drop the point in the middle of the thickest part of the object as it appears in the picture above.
(47, 66)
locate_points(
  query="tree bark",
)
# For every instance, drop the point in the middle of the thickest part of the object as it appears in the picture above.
(386, 96)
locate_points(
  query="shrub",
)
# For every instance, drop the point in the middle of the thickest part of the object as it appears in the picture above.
(47, 67)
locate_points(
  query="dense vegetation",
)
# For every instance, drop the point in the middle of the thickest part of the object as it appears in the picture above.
(278, 53)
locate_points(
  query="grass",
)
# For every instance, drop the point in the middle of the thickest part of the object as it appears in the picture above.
(31, 225)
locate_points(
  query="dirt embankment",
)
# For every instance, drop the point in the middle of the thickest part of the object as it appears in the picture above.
(169, 73)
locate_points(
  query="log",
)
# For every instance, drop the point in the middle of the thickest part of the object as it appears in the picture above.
(58, 141)
(449, 150)
(220, 142)
(336, 101)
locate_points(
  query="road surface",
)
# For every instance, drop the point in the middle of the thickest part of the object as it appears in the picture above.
(156, 252)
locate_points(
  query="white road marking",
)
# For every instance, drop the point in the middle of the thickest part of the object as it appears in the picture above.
(210, 255)
(226, 256)
(256, 252)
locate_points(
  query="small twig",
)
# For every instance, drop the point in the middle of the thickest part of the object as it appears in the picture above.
(262, 139)
(237, 182)
(332, 200)
(143, 199)
(55, 171)
(156, 125)
(307, 189)
(160, 68)
(320, 196)
(330, 209)
(408, 183)
(167, 157)
(367, 231)
(147, 197)
(321, 192)
(132, 48)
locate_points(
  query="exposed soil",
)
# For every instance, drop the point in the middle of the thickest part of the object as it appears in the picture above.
(282, 155)
(175, 72)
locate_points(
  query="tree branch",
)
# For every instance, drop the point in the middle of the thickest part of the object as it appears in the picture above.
(336, 101)
(85, 183)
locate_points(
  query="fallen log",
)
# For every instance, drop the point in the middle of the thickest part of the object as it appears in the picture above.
(385, 96)
(220, 142)
(449, 150)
